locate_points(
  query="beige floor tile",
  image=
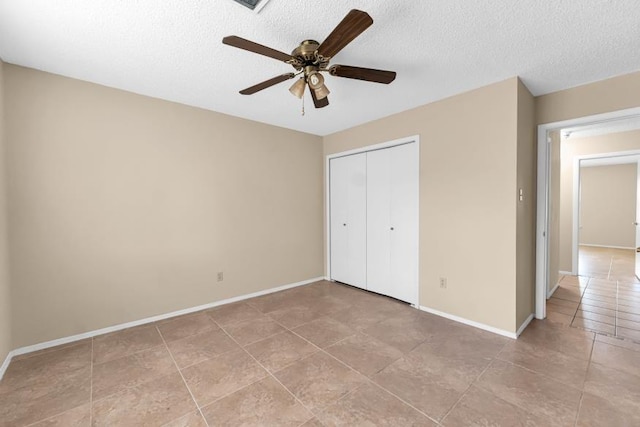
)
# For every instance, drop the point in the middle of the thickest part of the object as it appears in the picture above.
(17, 357)
(319, 380)
(599, 303)
(481, 408)
(559, 366)
(280, 350)
(193, 419)
(592, 325)
(265, 402)
(558, 318)
(532, 392)
(77, 417)
(610, 299)
(569, 294)
(324, 332)
(45, 398)
(294, 316)
(563, 303)
(404, 332)
(370, 405)
(619, 358)
(602, 318)
(250, 331)
(276, 301)
(628, 316)
(359, 317)
(596, 412)
(185, 326)
(123, 343)
(620, 388)
(313, 422)
(130, 371)
(215, 378)
(198, 348)
(43, 368)
(154, 403)
(629, 324)
(552, 306)
(365, 354)
(629, 307)
(234, 313)
(631, 334)
(619, 342)
(570, 341)
(432, 393)
(599, 310)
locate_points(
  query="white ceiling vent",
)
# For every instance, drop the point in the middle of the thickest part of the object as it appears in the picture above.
(255, 5)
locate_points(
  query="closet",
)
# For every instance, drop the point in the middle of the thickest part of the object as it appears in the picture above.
(373, 215)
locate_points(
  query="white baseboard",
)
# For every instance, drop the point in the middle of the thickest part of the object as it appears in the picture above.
(524, 324)
(552, 291)
(5, 364)
(90, 334)
(472, 323)
(606, 246)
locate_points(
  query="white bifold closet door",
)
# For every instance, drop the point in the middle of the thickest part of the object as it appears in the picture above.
(348, 200)
(392, 222)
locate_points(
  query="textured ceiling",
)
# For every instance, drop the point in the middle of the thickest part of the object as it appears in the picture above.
(171, 49)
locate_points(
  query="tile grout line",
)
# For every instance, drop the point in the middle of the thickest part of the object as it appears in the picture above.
(360, 373)
(266, 370)
(349, 367)
(593, 347)
(182, 376)
(473, 382)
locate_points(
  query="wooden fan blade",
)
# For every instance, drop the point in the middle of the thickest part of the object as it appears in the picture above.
(245, 44)
(319, 103)
(368, 74)
(348, 29)
(267, 83)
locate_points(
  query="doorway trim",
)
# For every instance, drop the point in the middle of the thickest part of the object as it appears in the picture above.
(542, 214)
(575, 234)
(327, 198)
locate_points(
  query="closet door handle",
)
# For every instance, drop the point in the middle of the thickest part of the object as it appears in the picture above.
(391, 228)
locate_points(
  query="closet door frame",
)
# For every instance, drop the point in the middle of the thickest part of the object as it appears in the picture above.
(410, 139)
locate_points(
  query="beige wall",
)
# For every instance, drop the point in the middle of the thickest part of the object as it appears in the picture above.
(608, 205)
(571, 148)
(613, 94)
(6, 343)
(526, 211)
(467, 212)
(554, 210)
(124, 207)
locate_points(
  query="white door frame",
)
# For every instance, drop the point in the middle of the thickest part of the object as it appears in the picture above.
(542, 221)
(575, 235)
(327, 186)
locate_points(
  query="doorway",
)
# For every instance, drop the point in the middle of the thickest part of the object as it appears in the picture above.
(544, 215)
(605, 212)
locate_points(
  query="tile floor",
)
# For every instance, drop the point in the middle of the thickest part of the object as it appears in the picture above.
(606, 303)
(326, 354)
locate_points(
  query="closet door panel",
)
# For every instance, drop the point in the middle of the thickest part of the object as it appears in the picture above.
(403, 265)
(378, 222)
(348, 219)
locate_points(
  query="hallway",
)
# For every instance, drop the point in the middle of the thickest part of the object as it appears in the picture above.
(605, 298)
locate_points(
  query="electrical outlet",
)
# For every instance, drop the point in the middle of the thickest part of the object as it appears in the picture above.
(220, 276)
(443, 282)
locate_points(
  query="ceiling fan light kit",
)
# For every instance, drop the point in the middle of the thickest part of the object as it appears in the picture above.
(311, 58)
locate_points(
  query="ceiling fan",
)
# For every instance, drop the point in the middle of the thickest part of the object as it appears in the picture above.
(311, 58)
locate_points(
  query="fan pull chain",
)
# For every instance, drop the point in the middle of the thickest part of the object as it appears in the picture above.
(303, 104)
